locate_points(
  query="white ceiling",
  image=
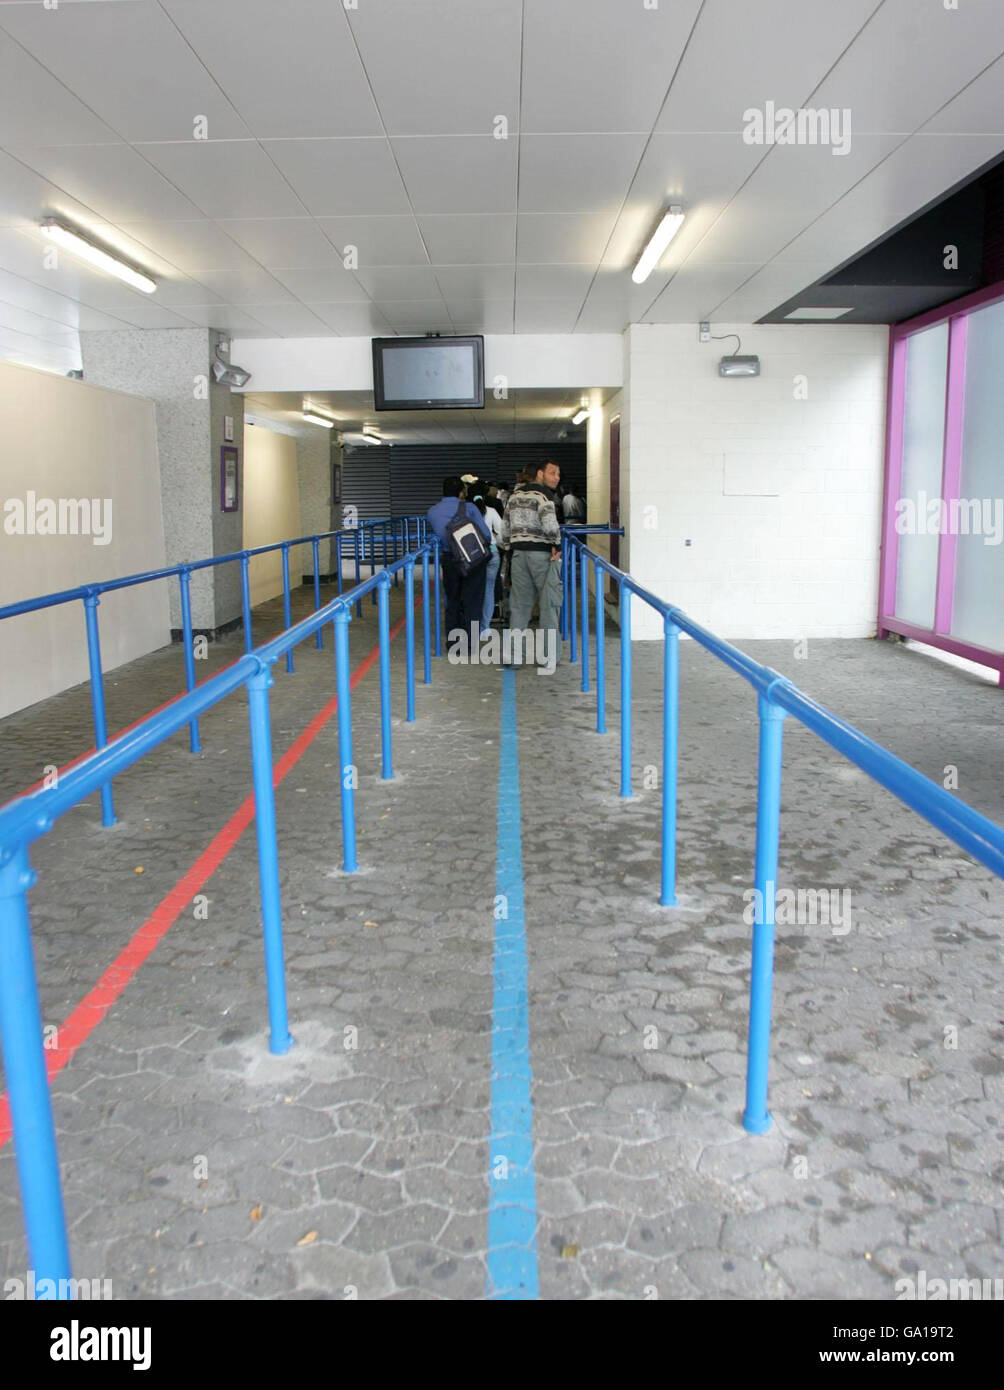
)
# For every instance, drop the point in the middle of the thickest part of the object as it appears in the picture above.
(373, 127)
(527, 416)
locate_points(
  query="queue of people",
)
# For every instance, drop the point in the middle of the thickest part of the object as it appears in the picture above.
(513, 563)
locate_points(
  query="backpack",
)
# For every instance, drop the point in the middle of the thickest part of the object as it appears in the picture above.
(466, 544)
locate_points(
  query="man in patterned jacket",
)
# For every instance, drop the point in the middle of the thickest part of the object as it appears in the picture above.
(531, 530)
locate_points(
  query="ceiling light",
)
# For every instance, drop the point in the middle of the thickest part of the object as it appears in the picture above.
(372, 436)
(309, 413)
(579, 416)
(661, 237)
(808, 312)
(87, 251)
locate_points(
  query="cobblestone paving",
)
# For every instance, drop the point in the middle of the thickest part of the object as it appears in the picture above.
(196, 1165)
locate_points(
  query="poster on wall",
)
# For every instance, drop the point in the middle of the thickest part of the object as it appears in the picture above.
(229, 496)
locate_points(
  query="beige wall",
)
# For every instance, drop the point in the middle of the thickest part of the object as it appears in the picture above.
(271, 504)
(63, 439)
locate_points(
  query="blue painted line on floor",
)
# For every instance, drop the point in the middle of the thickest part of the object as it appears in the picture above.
(512, 1207)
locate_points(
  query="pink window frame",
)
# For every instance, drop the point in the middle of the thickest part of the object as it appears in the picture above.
(956, 315)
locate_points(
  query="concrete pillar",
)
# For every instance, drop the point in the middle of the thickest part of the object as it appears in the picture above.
(314, 457)
(172, 367)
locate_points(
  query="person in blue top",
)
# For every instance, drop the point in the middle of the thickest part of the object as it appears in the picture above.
(465, 594)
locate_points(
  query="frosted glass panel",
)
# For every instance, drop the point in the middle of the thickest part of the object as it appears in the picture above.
(923, 442)
(978, 602)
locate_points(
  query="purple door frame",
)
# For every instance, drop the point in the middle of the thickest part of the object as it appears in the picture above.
(956, 315)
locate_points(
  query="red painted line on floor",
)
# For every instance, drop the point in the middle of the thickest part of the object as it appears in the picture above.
(81, 756)
(93, 1007)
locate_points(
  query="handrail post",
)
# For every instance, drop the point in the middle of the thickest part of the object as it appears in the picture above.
(565, 549)
(625, 616)
(584, 605)
(286, 610)
(279, 1040)
(409, 641)
(573, 616)
(359, 567)
(338, 561)
(185, 584)
(27, 1083)
(91, 601)
(383, 624)
(373, 557)
(601, 653)
(426, 621)
(347, 767)
(246, 600)
(316, 546)
(438, 616)
(756, 1118)
(670, 737)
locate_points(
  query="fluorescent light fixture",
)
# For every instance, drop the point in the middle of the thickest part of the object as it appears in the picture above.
(661, 237)
(372, 436)
(818, 313)
(87, 251)
(309, 413)
(579, 416)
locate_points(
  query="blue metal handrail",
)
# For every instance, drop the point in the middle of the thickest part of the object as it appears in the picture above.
(399, 538)
(776, 697)
(29, 817)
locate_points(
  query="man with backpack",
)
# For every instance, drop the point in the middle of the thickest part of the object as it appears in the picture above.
(530, 528)
(464, 554)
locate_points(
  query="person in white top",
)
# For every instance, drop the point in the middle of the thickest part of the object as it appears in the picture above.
(494, 523)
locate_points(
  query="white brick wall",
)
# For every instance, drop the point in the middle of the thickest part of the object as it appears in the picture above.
(779, 497)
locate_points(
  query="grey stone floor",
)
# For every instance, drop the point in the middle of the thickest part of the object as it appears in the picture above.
(198, 1166)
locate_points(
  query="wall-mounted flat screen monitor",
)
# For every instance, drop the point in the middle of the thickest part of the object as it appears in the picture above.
(429, 373)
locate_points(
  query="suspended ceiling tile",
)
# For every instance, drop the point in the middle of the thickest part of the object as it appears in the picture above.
(546, 315)
(114, 181)
(193, 246)
(283, 241)
(290, 69)
(742, 55)
(577, 173)
(129, 64)
(323, 286)
(352, 320)
(469, 239)
(393, 240)
(476, 282)
(37, 109)
(440, 66)
(600, 65)
(554, 238)
(341, 178)
(553, 281)
(464, 173)
(229, 179)
(399, 282)
(910, 61)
